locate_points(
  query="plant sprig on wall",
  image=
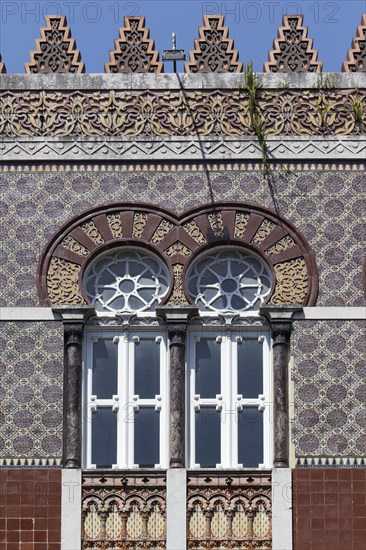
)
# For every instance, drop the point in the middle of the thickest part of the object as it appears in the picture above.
(252, 85)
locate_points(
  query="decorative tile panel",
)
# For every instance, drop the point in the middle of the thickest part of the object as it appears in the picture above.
(31, 389)
(329, 375)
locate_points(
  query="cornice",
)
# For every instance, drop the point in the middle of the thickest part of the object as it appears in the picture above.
(238, 148)
(174, 81)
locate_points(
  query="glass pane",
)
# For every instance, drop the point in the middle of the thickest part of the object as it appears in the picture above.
(104, 369)
(250, 368)
(147, 369)
(208, 380)
(147, 421)
(104, 437)
(208, 437)
(250, 437)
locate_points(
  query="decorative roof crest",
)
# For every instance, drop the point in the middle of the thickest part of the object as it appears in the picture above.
(2, 66)
(56, 51)
(213, 51)
(134, 51)
(356, 56)
(292, 51)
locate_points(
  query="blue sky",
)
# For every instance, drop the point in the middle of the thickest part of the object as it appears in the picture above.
(253, 25)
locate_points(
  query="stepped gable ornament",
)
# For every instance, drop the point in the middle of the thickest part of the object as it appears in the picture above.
(56, 51)
(292, 51)
(213, 51)
(134, 51)
(2, 66)
(356, 56)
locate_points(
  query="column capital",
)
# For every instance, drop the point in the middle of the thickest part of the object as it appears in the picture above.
(74, 314)
(277, 313)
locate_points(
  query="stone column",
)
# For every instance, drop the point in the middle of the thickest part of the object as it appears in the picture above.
(74, 320)
(73, 334)
(177, 320)
(280, 318)
(281, 332)
(177, 339)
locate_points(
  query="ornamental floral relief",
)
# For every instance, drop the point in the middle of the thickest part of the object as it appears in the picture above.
(292, 282)
(63, 282)
(319, 111)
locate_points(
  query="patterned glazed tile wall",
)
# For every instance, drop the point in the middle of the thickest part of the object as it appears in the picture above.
(329, 376)
(325, 205)
(31, 379)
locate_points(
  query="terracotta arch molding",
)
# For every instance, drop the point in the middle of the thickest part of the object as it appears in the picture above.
(177, 240)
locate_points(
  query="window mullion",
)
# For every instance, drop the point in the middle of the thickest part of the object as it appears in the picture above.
(125, 411)
(226, 398)
(89, 417)
(234, 393)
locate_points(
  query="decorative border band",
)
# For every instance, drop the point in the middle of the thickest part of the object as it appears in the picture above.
(30, 462)
(331, 462)
(180, 148)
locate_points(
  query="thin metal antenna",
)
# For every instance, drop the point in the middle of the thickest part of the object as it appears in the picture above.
(174, 42)
(174, 54)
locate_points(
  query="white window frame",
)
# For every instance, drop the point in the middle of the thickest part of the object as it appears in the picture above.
(228, 401)
(125, 402)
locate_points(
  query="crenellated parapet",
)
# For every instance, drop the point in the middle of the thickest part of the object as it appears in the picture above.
(134, 51)
(56, 51)
(292, 50)
(356, 56)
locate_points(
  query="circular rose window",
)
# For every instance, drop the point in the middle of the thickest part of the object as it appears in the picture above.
(229, 280)
(126, 281)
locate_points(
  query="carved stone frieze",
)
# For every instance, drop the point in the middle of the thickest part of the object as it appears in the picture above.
(223, 113)
(292, 50)
(123, 510)
(178, 239)
(56, 51)
(213, 51)
(356, 56)
(232, 508)
(134, 51)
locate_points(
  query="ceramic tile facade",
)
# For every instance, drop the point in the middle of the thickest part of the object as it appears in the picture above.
(31, 378)
(329, 509)
(329, 376)
(325, 205)
(30, 509)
